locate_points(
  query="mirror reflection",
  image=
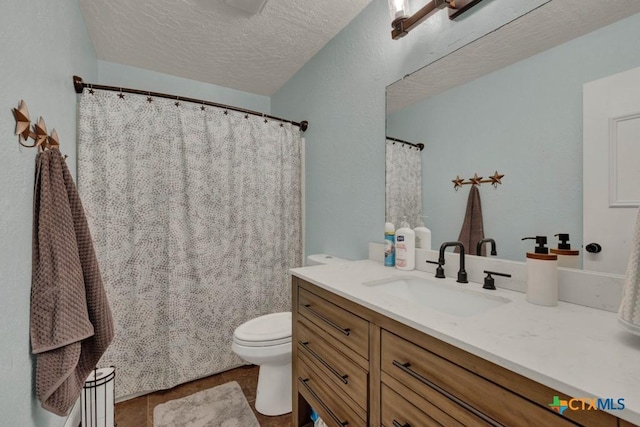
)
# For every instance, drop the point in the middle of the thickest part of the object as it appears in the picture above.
(523, 121)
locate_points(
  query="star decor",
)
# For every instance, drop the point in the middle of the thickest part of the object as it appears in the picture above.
(23, 122)
(476, 179)
(40, 133)
(226, 112)
(53, 141)
(496, 179)
(121, 95)
(457, 183)
(202, 108)
(177, 103)
(246, 116)
(91, 91)
(149, 99)
(266, 121)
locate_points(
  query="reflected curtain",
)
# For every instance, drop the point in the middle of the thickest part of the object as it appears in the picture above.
(196, 217)
(403, 184)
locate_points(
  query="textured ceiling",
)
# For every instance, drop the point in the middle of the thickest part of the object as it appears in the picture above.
(552, 24)
(209, 41)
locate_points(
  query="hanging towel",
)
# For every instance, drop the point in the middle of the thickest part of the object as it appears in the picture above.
(472, 229)
(71, 323)
(629, 313)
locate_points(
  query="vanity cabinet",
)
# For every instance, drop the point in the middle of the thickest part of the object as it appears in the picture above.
(357, 367)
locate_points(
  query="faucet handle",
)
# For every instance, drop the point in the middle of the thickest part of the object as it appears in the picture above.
(489, 282)
(439, 270)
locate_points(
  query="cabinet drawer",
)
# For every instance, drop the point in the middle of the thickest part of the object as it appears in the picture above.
(328, 401)
(424, 372)
(339, 369)
(344, 326)
(397, 411)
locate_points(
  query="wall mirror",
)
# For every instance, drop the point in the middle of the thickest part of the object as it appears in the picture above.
(511, 101)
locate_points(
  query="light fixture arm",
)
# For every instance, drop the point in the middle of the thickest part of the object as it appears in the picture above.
(401, 27)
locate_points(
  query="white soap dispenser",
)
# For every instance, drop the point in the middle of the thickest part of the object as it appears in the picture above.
(423, 235)
(405, 247)
(542, 274)
(567, 257)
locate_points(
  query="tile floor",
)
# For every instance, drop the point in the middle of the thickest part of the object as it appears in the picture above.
(138, 412)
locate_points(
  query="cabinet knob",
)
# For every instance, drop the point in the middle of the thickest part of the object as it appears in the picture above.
(593, 248)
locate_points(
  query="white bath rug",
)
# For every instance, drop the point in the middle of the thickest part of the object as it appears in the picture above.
(221, 406)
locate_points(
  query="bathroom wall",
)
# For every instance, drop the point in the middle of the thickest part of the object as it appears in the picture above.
(341, 91)
(43, 44)
(112, 74)
(525, 121)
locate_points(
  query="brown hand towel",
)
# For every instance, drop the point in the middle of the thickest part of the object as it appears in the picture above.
(71, 323)
(472, 229)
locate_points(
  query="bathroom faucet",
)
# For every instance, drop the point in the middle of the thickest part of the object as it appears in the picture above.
(462, 274)
(493, 247)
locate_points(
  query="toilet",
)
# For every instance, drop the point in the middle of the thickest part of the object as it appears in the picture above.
(266, 341)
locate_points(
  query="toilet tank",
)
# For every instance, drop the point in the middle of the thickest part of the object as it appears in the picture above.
(321, 259)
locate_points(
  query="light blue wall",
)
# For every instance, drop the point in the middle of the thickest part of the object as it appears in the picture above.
(341, 91)
(137, 78)
(43, 43)
(526, 122)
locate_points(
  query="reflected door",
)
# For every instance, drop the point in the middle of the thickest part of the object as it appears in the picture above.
(611, 169)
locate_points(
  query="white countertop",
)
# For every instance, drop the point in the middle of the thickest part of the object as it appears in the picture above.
(576, 350)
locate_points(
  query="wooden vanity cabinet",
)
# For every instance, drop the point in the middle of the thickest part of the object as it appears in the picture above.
(356, 367)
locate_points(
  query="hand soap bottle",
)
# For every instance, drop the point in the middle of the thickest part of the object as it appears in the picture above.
(405, 247)
(423, 236)
(389, 245)
(567, 257)
(542, 274)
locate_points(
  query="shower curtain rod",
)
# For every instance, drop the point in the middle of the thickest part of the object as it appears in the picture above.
(79, 85)
(419, 146)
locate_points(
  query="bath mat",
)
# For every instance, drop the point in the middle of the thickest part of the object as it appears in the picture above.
(221, 406)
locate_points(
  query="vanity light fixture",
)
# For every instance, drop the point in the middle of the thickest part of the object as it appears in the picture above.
(402, 23)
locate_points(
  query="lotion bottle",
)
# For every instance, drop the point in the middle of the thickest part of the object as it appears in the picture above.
(423, 236)
(567, 257)
(542, 274)
(405, 247)
(389, 245)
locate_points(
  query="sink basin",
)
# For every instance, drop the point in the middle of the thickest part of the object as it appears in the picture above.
(444, 297)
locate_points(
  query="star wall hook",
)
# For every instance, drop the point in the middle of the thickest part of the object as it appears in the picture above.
(496, 179)
(476, 180)
(23, 122)
(457, 183)
(53, 141)
(41, 135)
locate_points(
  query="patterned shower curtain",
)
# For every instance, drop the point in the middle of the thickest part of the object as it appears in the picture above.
(196, 216)
(403, 184)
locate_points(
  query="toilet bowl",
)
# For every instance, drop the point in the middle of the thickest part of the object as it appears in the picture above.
(266, 341)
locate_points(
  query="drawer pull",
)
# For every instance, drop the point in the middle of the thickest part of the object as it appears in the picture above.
(345, 331)
(315, 396)
(397, 424)
(342, 378)
(406, 368)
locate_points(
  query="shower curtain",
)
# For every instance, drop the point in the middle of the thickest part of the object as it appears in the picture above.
(196, 216)
(403, 184)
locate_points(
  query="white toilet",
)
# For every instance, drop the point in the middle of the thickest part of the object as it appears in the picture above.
(266, 341)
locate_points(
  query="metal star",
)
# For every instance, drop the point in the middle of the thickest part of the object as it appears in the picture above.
(476, 179)
(149, 99)
(177, 103)
(457, 183)
(246, 116)
(121, 95)
(53, 141)
(91, 91)
(23, 122)
(496, 179)
(202, 108)
(40, 136)
(226, 112)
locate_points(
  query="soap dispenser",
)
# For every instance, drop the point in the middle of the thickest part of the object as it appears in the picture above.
(567, 257)
(542, 274)
(405, 247)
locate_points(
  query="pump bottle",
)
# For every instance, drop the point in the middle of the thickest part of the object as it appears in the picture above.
(567, 257)
(405, 247)
(542, 274)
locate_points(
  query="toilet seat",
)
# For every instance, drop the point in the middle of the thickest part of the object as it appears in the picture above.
(264, 331)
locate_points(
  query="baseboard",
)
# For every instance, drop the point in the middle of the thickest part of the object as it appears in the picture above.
(75, 417)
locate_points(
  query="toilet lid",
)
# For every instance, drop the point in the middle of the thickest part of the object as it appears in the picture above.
(270, 329)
